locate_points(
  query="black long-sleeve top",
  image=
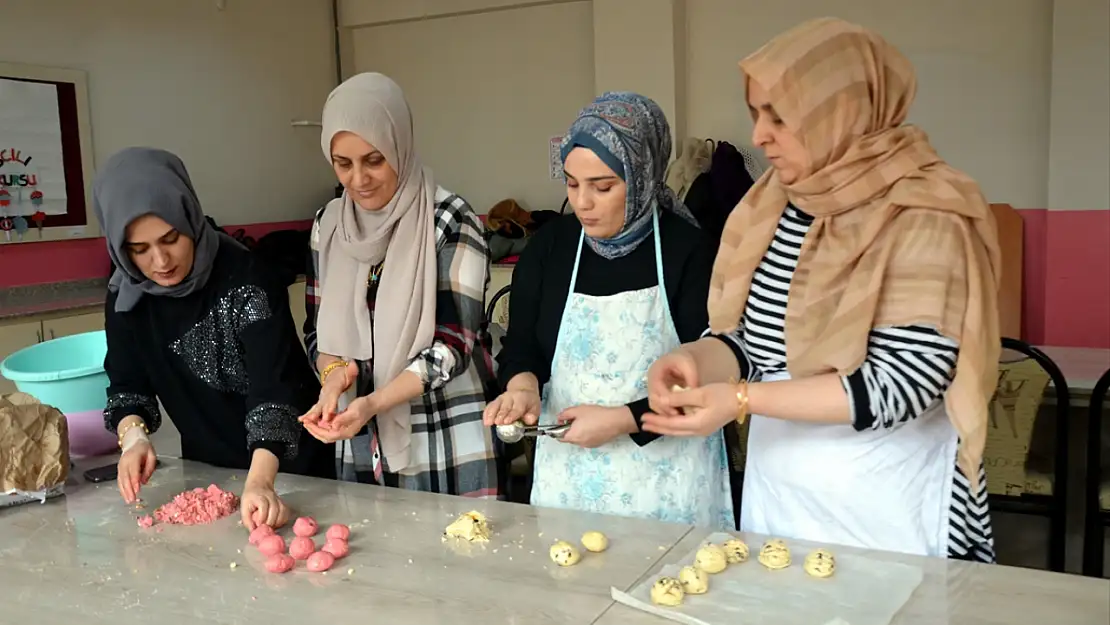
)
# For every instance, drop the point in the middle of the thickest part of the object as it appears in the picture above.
(541, 281)
(227, 365)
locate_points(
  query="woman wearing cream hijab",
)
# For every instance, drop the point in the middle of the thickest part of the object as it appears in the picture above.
(396, 325)
(854, 298)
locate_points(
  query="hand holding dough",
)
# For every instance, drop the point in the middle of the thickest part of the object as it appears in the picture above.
(595, 541)
(820, 563)
(736, 551)
(667, 591)
(774, 555)
(711, 559)
(694, 580)
(564, 554)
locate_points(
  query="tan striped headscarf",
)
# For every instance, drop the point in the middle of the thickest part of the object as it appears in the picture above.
(898, 238)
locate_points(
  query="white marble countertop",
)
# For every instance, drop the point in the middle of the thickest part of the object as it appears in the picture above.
(82, 557)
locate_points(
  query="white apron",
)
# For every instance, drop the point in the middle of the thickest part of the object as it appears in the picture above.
(604, 349)
(879, 489)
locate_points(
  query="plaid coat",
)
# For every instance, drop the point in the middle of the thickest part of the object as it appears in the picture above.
(452, 452)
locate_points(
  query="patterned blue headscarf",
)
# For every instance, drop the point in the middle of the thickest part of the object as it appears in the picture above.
(630, 134)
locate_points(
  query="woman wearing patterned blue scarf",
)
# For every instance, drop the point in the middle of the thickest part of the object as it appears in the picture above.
(596, 297)
(194, 322)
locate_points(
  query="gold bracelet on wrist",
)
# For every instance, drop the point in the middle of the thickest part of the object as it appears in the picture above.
(127, 428)
(741, 402)
(338, 364)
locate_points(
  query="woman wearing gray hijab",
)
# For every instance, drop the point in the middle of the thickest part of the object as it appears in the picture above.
(395, 305)
(192, 320)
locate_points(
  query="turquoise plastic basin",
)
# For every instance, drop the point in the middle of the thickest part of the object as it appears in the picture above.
(67, 372)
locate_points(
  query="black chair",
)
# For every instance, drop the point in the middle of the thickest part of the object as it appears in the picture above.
(1095, 519)
(1054, 505)
(492, 307)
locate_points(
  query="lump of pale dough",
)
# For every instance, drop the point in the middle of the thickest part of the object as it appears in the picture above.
(711, 559)
(336, 547)
(820, 563)
(305, 526)
(595, 542)
(694, 580)
(260, 532)
(564, 554)
(272, 545)
(471, 526)
(320, 561)
(735, 550)
(774, 554)
(667, 591)
(342, 532)
(280, 563)
(301, 547)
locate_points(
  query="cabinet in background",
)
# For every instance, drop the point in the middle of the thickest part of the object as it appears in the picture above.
(14, 337)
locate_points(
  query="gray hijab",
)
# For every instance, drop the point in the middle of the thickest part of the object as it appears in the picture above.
(147, 181)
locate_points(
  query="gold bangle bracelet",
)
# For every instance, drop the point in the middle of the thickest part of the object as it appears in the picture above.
(128, 428)
(742, 402)
(338, 364)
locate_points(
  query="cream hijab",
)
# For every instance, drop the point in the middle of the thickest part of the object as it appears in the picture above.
(352, 240)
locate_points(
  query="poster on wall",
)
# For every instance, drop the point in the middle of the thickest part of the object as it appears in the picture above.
(32, 168)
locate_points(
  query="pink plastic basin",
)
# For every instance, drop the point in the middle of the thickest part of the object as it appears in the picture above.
(87, 436)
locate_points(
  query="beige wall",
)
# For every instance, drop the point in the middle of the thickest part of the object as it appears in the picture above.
(1079, 161)
(983, 72)
(487, 91)
(219, 88)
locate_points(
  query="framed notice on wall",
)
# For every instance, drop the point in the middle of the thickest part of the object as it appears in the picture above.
(46, 162)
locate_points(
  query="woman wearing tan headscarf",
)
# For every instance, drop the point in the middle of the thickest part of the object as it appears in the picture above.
(395, 323)
(853, 312)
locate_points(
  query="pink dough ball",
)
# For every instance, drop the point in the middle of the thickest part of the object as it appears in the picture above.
(342, 532)
(301, 547)
(305, 526)
(260, 532)
(336, 547)
(280, 563)
(272, 545)
(320, 561)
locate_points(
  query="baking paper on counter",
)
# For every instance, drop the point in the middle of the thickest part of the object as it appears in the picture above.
(863, 591)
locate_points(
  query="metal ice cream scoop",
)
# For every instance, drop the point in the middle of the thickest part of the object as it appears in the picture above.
(516, 431)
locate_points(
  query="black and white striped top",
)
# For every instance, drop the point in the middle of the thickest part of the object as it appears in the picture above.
(906, 372)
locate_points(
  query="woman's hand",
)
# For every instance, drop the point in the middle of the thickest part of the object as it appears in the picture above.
(678, 368)
(593, 426)
(337, 382)
(513, 406)
(347, 424)
(260, 505)
(707, 409)
(134, 469)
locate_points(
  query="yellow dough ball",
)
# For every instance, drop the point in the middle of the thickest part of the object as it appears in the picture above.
(564, 554)
(774, 555)
(595, 542)
(820, 563)
(667, 591)
(694, 580)
(711, 559)
(736, 551)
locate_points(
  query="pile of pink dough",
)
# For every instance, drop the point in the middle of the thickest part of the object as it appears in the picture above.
(199, 506)
(302, 547)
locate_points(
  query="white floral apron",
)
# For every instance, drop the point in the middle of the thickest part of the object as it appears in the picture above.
(604, 349)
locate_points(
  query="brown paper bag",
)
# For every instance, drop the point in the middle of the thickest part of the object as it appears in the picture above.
(34, 445)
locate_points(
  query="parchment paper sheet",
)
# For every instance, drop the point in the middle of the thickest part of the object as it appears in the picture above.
(863, 591)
